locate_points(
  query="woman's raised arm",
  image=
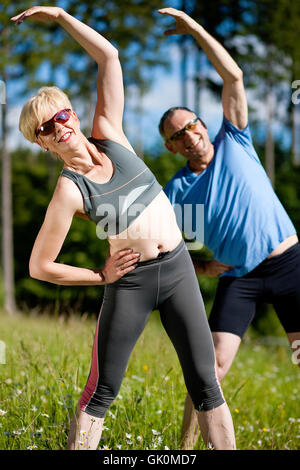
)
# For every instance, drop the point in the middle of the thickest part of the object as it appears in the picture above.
(110, 93)
(65, 202)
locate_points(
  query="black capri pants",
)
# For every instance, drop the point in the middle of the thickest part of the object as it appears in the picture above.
(275, 281)
(169, 284)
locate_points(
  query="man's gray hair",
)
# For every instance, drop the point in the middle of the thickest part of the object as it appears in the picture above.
(169, 113)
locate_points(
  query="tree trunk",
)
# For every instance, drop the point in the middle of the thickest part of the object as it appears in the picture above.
(198, 81)
(183, 71)
(183, 64)
(7, 222)
(269, 147)
(295, 135)
(139, 144)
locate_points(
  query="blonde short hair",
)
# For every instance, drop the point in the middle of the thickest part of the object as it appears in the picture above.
(36, 107)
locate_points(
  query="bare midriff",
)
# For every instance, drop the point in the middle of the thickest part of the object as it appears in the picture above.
(283, 246)
(155, 230)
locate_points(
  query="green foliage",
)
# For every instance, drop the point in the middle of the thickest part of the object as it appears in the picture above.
(266, 322)
(288, 191)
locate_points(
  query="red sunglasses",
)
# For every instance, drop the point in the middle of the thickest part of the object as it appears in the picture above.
(48, 127)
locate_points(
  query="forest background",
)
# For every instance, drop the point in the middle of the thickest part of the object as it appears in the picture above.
(262, 36)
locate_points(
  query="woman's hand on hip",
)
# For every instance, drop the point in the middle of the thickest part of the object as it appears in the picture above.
(122, 262)
(38, 13)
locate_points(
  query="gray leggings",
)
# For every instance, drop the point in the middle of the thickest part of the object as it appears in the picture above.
(169, 284)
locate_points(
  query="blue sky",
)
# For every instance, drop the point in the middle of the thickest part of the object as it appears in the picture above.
(164, 93)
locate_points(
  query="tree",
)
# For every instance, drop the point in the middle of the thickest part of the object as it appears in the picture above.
(6, 196)
(6, 211)
(286, 37)
(271, 63)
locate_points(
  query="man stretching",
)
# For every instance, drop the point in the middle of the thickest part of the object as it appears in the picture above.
(253, 241)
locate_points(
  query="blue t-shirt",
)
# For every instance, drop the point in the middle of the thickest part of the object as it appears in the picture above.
(243, 218)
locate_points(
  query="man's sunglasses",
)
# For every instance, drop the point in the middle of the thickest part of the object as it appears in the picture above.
(48, 127)
(190, 126)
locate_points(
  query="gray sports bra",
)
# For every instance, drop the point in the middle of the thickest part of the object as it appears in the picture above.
(114, 205)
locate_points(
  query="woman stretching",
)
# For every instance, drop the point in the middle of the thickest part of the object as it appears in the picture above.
(149, 266)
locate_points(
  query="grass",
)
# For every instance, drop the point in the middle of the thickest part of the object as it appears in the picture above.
(47, 364)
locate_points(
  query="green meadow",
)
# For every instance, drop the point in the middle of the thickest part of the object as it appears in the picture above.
(47, 362)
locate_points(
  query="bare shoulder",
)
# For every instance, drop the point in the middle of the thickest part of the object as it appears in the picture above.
(66, 197)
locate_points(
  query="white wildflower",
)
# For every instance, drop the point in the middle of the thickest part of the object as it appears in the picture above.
(140, 379)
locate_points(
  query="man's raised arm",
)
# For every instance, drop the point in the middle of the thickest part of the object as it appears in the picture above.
(233, 95)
